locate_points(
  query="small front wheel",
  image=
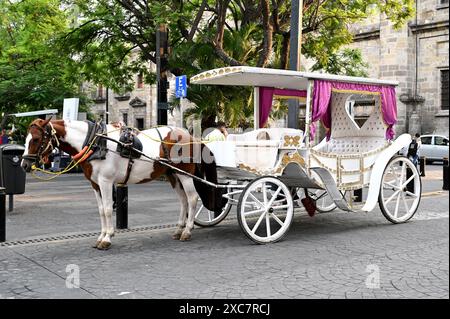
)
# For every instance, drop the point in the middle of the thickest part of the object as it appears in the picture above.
(265, 210)
(401, 189)
(206, 218)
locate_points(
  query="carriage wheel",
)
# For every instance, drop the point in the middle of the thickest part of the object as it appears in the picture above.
(397, 203)
(265, 210)
(206, 218)
(324, 202)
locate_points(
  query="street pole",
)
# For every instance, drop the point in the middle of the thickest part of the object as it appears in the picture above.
(161, 73)
(107, 106)
(181, 112)
(294, 55)
(2, 215)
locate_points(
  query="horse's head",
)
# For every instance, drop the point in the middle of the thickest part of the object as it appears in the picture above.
(38, 144)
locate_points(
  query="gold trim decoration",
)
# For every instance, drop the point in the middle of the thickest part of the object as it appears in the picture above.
(290, 140)
(294, 157)
(287, 158)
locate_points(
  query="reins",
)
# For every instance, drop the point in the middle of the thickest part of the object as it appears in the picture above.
(87, 151)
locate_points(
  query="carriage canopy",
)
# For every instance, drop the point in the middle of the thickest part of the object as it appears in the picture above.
(270, 83)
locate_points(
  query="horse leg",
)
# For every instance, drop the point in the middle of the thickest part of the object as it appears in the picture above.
(106, 191)
(176, 184)
(98, 196)
(192, 198)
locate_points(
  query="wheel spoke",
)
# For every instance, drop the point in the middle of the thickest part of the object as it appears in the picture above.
(254, 212)
(209, 216)
(320, 196)
(412, 194)
(199, 211)
(394, 173)
(255, 228)
(268, 225)
(392, 197)
(274, 197)
(277, 219)
(261, 205)
(264, 194)
(404, 203)
(391, 185)
(402, 174)
(397, 204)
(407, 182)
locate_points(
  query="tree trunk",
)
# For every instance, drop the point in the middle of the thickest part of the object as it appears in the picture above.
(285, 51)
(268, 34)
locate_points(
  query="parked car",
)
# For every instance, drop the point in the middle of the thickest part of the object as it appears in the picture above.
(434, 147)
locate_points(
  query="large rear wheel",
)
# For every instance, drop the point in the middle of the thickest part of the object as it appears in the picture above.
(401, 189)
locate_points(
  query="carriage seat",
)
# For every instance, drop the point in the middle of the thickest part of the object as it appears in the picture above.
(266, 137)
(351, 145)
(261, 148)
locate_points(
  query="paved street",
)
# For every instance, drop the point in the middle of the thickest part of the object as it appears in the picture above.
(337, 255)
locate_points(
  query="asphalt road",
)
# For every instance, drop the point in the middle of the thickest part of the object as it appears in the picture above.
(336, 255)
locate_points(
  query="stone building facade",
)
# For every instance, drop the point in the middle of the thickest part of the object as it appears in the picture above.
(416, 55)
(137, 108)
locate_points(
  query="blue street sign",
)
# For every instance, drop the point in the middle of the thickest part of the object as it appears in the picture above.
(181, 86)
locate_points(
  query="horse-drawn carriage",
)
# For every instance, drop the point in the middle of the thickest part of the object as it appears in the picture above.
(266, 172)
(270, 171)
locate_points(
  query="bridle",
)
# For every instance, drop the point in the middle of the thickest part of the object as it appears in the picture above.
(47, 145)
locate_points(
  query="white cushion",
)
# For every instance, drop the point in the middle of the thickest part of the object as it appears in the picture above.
(354, 145)
(342, 125)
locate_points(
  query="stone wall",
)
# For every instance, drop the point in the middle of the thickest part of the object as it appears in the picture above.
(413, 55)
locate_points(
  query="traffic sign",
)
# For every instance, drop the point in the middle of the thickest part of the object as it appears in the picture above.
(181, 86)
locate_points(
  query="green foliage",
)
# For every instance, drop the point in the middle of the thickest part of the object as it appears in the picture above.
(110, 41)
(33, 73)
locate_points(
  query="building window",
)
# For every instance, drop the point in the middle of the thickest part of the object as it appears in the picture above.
(100, 91)
(125, 118)
(443, 2)
(140, 124)
(444, 89)
(140, 81)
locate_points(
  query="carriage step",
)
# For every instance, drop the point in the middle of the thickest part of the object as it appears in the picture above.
(330, 186)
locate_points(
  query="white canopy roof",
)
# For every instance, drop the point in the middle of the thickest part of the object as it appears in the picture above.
(283, 79)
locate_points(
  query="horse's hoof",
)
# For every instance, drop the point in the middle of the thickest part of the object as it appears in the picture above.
(104, 245)
(176, 236)
(185, 237)
(96, 244)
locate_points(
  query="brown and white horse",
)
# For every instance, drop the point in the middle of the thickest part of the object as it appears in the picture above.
(69, 136)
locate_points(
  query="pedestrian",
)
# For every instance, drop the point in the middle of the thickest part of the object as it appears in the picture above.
(220, 133)
(4, 137)
(414, 149)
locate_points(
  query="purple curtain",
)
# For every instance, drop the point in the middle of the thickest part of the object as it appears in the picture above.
(266, 97)
(321, 103)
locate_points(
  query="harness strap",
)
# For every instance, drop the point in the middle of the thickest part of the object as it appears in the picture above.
(129, 167)
(163, 145)
(93, 129)
(90, 134)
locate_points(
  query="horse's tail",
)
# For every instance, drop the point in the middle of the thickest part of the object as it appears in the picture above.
(211, 196)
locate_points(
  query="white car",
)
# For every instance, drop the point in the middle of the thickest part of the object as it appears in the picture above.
(434, 147)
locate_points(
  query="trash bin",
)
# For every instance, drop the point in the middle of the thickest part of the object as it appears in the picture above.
(12, 175)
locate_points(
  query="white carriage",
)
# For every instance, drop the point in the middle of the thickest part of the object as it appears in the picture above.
(268, 170)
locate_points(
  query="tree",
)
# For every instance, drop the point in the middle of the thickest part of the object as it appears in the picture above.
(33, 73)
(206, 34)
